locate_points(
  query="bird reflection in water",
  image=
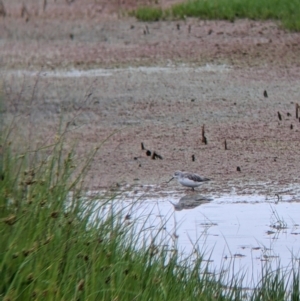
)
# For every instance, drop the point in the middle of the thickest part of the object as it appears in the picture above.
(191, 201)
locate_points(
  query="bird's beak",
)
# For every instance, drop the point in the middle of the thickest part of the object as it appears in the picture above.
(170, 180)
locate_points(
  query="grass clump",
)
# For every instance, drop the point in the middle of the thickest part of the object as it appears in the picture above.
(149, 13)
(288, 12)
(52, 249)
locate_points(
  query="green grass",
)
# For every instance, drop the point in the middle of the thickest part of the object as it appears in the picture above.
(51, 251)
(288, 12)
(149, 13)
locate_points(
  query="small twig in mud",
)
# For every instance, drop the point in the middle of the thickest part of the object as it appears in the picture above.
(24, 12)
(2, 9)
(297, 108)
(238, 169)
(279, 116)
(45, 5)
(193, 158)
(155, 155)
(149, 153)
(225, 144)
(159, 156)
(265, 93)
(204, 140)
(178, 26)
(190, 28)
(291, 126)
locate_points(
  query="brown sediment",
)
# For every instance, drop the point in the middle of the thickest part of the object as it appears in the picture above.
(223, 67)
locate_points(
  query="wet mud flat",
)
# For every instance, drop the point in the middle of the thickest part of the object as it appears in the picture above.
(166, 109)
(104, 79)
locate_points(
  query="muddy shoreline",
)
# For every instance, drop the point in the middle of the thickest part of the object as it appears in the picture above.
(171, 83)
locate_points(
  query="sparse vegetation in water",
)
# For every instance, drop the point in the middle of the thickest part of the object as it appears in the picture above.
(277, 222)
(288, 12)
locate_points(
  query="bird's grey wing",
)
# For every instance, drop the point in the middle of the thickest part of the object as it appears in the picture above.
(197, 178)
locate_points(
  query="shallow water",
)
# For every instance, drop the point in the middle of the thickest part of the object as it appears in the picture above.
(240, 233)
(75, 73)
